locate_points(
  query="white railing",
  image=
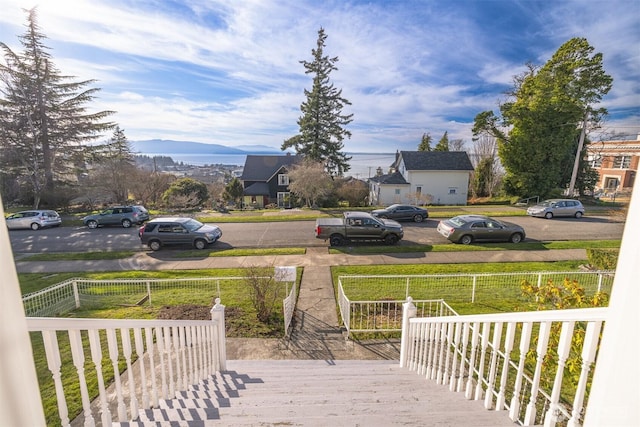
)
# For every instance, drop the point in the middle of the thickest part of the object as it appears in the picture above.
(535, 365)
(151, 359)
(472, 287)
(384, 316)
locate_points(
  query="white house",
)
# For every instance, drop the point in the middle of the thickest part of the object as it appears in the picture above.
(421, 177)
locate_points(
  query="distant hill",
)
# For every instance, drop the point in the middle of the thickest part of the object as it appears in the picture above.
(166, 146)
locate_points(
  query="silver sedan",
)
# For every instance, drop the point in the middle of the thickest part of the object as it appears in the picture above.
(477, 228)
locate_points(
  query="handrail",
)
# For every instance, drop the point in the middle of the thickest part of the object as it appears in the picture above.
(513, 361)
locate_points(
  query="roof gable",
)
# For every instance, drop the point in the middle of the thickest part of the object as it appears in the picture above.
(262, 168)
(434, 160)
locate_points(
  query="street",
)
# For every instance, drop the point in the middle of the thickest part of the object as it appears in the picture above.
(297, 234)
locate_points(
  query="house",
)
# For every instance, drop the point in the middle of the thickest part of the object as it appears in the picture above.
(422, 177)
(616, 163)
(265, 180)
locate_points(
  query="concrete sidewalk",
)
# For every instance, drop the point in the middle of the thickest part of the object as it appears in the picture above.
(316, 331)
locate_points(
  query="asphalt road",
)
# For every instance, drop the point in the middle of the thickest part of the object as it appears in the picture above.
(297, 234)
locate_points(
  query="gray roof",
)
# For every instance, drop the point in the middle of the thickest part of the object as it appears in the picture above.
(257, 189)
(434, 160)
(392, 178)
(262, 168)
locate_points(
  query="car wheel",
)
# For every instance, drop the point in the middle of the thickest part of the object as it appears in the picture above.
(418, 218)
(548, 215)
(579, 214)
(391, 239)
(200, 244)
(126, 223)
(516, 238)
(35, 226)
(336, 240)
(466, 239)
(92, 224)
(154, 245)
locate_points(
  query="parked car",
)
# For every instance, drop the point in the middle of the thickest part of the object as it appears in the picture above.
(471, 228)
(34, 220)
(358, 226)
(402, 213)
(557, 207)
(125, 216)
(161, 232)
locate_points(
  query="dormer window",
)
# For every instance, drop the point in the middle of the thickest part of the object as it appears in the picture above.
(283, 179)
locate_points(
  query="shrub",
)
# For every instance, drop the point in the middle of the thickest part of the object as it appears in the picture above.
(603, 259)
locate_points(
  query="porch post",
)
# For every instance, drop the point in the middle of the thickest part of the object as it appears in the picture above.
(217, 315)
(409, 310)
(614, 396)
(20, 403)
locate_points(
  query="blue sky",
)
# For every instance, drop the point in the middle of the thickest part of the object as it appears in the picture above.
(228, 72)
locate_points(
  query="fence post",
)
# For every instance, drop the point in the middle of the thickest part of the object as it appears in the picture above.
(600, 275)
(409, 310)
(217, 316)
(149, 291)
(406, 291)
(76, 294)
(473, 290)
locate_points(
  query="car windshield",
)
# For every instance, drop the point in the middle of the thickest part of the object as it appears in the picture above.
(192, 225)
(547, 203)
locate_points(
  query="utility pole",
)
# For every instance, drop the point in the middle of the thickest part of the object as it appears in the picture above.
(576, 162)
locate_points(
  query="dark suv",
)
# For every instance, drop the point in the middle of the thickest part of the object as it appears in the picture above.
(161, 232)
(125, 216)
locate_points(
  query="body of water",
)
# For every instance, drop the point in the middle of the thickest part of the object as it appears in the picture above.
(363, 165)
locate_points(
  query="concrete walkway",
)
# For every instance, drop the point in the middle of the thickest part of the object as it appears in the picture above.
(316, 332)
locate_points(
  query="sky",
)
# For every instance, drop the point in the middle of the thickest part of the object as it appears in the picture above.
(228, 72)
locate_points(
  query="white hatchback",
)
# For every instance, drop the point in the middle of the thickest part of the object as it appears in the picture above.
(34, 220)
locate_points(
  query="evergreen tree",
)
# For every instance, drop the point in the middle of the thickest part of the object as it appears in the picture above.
(322, 123)
(233, 192)
(550, 106)
(114, 166)
(443, 144)
(425, 143)
(43, 116)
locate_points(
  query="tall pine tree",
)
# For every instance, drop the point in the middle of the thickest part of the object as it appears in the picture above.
(425, 143)
(322, 124)
(43, 116)
(443, 144)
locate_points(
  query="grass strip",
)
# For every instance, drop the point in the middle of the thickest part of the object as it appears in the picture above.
(452, 247)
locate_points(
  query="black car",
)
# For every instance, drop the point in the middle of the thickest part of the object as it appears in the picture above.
(402, 213)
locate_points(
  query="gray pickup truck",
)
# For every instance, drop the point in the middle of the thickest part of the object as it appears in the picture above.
(358, 226)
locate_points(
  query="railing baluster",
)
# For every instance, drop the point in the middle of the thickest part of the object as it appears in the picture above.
(454, 362)
(161, 353)
(463, 357)
(553, 415)
(148, 334)
(508, 346)
(169, 358)
(96, 358)
(450, 374)
(77, 355)
(589, 348)
(525, 339)
(139, 346)
(483, 352)
(541, 351)
(441, 376)
(52, 350)
(175, 344)
(126, 352)
(491, 380)
(112, 344)
(472, 361)
(183, 356)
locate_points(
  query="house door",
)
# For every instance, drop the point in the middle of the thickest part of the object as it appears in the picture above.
(284, 200)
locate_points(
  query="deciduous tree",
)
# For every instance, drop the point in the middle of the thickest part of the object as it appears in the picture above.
(322, 124)
(43, 115)
(310, 181)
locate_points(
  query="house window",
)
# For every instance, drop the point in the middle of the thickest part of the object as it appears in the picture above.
(596, 162)
(419, 189)
(452, 190)
(397, 191)
(283, 179)
(622, 162)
